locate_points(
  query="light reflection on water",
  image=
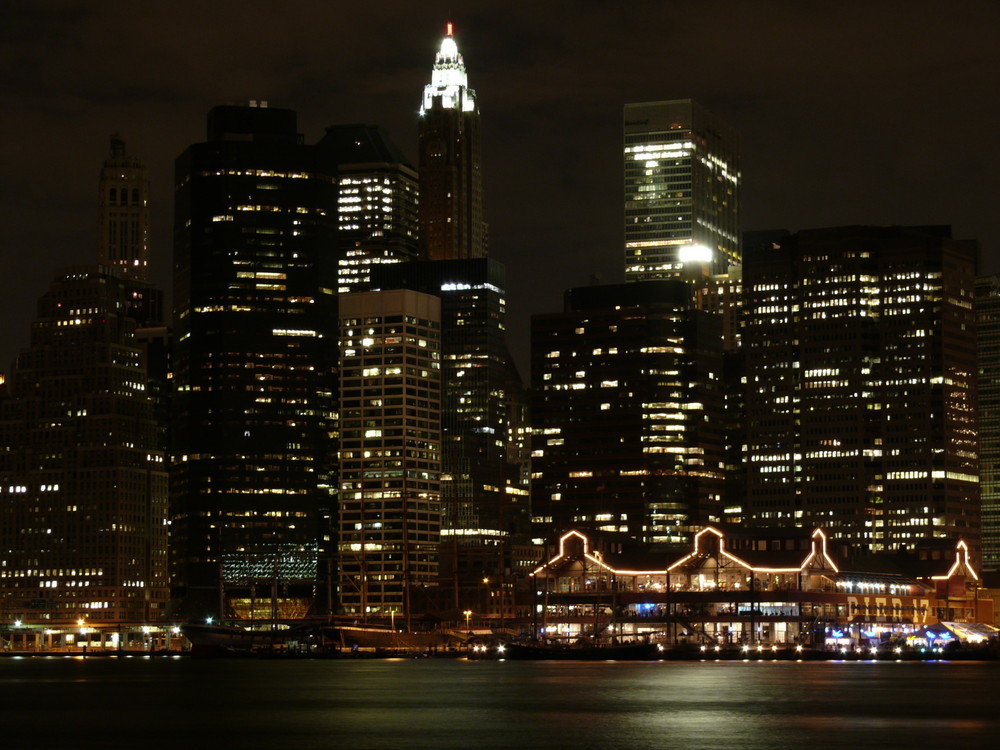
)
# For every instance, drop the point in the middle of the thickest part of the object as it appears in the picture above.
(457, 704)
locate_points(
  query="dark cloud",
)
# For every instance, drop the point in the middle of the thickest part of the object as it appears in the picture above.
(850, 112)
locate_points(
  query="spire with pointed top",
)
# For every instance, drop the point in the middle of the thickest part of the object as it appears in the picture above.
(452, 219)
(123, 213)
(449, 82)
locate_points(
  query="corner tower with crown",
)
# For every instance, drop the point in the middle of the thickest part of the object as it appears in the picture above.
(452, 219)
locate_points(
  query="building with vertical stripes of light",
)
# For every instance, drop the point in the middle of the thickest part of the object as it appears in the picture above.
(390, 451)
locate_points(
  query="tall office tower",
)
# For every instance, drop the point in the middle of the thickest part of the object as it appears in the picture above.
(377, 204)
(484, 486)
(682, 192)
(123, 215)
(390, 457)
(452, 215)
(722, 295)
(255, 367)
(860, 352)
(123, 244)
(987, 307)
(627, 413)
(83, 522)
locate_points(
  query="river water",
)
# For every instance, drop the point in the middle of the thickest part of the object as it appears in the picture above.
(183, 703)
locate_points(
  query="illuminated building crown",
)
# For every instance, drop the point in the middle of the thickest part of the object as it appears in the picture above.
(448, 79)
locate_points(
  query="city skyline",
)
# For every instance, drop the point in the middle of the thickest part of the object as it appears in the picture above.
(836, 112)
(743, 437)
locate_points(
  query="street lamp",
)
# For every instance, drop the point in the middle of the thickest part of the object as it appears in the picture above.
(13, 639)
(468, 614)
(83, 632)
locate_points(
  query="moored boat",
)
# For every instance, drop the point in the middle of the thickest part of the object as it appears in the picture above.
(214, 640)
(367, 637)
(573, 652)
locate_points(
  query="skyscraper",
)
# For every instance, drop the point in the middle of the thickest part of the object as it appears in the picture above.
(627, 411)
(988, 339)
(83, 521)
(255, 366)
(452, 217)
(484, 479)
(682, 191)
(123, 216)
(390, 457)
(861, 385)
(377, 218)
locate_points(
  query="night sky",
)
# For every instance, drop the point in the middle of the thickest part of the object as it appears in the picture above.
(850, 113)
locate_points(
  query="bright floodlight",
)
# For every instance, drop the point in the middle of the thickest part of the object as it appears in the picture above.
(694, 254)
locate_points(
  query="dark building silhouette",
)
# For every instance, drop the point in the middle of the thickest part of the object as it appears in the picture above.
(123, 230)
(860, 352)
(83, 522)
(452, 216)
(123, 214)
(627, 410)
(722, 295)
(988, 340)
(255, 367)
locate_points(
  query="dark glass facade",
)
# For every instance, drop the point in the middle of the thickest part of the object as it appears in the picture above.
(627, 411)
(255, 367)
(377, 218)
(860, 352)
(988, 338)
